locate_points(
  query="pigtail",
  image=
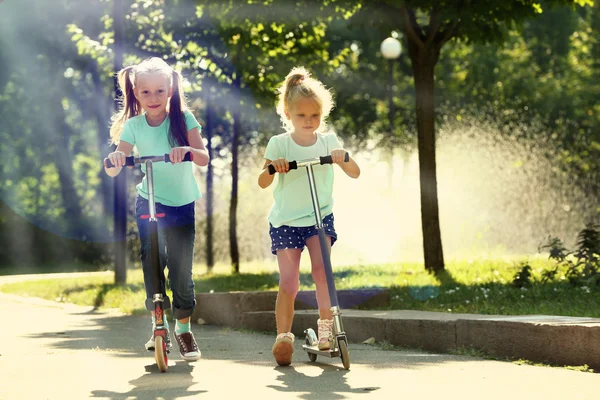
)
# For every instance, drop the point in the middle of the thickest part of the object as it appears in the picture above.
(130, 106)
(177, 106)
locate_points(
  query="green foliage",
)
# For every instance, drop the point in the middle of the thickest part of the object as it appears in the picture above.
(474, 286)
(581, 266)
(57, 64)
(523, 276)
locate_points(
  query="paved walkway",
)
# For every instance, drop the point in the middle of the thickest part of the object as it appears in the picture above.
(56, 351)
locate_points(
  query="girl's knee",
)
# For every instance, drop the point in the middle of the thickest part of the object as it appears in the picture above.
(289, 284)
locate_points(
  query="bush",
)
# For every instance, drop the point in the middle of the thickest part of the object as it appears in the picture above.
(582, 265)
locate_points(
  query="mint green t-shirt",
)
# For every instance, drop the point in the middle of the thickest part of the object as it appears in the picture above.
(174, 184)
(293, 205)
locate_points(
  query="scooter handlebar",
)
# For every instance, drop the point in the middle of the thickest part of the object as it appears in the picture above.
(320, 160)
(189, 156)
(131, 160)
(328, 160)
(293, 165)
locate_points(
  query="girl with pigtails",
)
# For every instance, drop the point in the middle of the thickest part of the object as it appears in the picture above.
(155, 119)
(304, 104)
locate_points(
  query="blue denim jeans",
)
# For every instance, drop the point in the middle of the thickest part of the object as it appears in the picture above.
(176, 234)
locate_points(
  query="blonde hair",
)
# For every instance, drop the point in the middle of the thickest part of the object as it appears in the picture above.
(299, 84)
(130, 106)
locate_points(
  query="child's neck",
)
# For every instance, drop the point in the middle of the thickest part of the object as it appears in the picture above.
(156, 120)
(304, 139)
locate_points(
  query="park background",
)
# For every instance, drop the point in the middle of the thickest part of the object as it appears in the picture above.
(517, 150)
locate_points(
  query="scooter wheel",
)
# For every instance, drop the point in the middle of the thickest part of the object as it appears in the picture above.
(160, 354)
(344, 354)
(312, 357)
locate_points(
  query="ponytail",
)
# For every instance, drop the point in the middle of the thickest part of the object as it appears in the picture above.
(129, 105)
(292, 86)
(299, 84)
(177, 128)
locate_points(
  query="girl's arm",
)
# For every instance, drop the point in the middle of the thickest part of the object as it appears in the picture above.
(281, 165)
(118, 158)
(351, 168)
(196, 147)
(265, 179)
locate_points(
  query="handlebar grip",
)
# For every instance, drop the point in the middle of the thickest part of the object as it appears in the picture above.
(328, 160)
(271, 168)
(189, 156)
(129, 162)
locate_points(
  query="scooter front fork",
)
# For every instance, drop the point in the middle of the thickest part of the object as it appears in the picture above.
(338, 327)
(160, 328)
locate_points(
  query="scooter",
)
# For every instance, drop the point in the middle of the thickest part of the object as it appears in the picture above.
(339, 341)
(160, 330)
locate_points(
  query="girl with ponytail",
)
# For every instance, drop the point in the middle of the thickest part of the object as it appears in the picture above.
(154, 119)
(304, 104)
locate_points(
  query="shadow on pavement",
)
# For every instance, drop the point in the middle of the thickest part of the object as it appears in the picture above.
(124, 336)
(172, 385)
(294, 381)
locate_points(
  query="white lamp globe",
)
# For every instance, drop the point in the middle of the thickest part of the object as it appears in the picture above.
(391, 48)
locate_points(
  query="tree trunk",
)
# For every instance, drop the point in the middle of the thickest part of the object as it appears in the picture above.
(64, 164)
(210, 258)
(101, 114)
(424, 60)
(120, 204)
(233, 244)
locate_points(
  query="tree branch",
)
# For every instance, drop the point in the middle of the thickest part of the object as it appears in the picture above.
(411, 27)
(447, 32)
(433, 27)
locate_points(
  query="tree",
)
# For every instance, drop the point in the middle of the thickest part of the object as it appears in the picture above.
(248, 48)
(427, 26)
(120, 209)
(47, 177)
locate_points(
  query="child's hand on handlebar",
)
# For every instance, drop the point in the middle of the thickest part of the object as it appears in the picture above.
(117, 158)
(178, 153)
(338, 155)
(281, 165)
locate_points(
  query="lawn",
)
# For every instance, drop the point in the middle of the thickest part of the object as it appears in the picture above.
(468, 286)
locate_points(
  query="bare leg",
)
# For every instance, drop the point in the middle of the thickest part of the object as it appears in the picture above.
(289, 273)
(318, 274)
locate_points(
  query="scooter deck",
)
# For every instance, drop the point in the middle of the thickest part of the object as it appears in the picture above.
(324, 353)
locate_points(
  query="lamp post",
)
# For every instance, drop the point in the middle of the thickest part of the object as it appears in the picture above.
(391, 48)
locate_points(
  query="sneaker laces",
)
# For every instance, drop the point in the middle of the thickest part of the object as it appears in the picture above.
(325, 328)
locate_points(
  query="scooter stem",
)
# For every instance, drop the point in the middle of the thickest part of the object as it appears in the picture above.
(322, 239)
(150, 180)
(313, 195)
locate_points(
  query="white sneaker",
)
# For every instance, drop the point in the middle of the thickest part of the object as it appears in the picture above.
(150, 343)
(325, 333)
(283, 348)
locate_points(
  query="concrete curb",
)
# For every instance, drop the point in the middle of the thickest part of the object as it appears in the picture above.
(227, 309)
(539, 338)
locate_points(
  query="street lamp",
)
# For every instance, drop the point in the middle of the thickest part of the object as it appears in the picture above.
(391, 48)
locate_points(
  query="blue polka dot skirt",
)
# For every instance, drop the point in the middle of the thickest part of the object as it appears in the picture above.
(294, 237)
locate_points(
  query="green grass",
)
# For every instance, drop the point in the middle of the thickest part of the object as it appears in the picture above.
(478, 286)
(580, 368)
